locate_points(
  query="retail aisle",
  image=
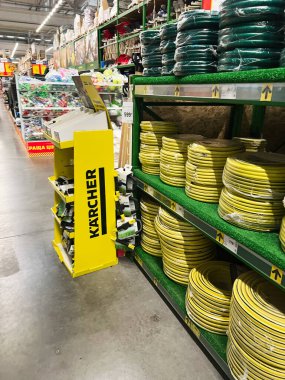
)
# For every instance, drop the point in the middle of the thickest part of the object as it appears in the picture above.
(107, 325)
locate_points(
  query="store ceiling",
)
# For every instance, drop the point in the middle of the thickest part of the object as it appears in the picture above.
(20, 19)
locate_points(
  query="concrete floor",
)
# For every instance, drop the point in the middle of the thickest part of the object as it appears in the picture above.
(108, 325)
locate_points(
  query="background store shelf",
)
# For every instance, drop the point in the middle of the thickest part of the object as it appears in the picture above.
(175, 294)
(259, 250)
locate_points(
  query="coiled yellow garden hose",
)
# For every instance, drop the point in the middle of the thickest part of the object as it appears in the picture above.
(256, 175)
(282, 234)
(173, 156)
(183, 246)
(151, 140)
(208, 296)
(252, 145)
(256, 345)
(149, 238)
(204, 168)
(253, 214)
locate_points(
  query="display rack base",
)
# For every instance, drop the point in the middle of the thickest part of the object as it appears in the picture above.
(213, 344)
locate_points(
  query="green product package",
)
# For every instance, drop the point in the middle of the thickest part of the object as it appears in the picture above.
(168, 31)
(167, 70)
(152, 71)
(150, 37)
(194, 67)
(253, 27)
(198, 52)
(150, 50)
(198, 19)
(168, 59)
(167, 46)
(231, 16)
(251, 53)
(150, 61)
(197, 37)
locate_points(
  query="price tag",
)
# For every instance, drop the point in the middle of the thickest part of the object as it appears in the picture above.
(230, 244)
(127, 114)
(228, 91)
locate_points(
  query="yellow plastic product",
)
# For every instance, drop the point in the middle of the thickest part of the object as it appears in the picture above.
(151, 136)
(256, 175)
(252, 145)
(183, 246)
(253, 214)
(204, 168)
(282, 234)
(173, 156)
(208, 296)
(256, 345)
(149, 238)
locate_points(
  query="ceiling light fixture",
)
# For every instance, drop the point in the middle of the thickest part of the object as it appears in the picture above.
(10, 36)
(21, 38)
(54, 9)
(14, 50)
(49, 49)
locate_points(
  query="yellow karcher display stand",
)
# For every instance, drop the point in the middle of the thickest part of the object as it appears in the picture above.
(89, 159)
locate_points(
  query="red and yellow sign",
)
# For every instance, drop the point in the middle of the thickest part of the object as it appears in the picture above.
(7, 69)
(40, 148)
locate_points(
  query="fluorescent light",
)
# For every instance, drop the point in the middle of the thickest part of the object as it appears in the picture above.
(21, 38)
(1, 36)
(47, 40)
(54, 9)
(49, 49)
(14, 50)
(10, 36)
(37, 39)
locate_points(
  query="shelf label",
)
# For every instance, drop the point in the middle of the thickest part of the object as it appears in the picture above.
(155, 281)
(127, 113)
(192, 326)
(227, 241)
(228, 91)
(215, 91)
(177, 91)
(276, 274)
(148, 189)
(266, 92)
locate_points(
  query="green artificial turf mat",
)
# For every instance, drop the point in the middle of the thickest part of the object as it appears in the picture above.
(251, 76)
(177, 294)
(265, 244)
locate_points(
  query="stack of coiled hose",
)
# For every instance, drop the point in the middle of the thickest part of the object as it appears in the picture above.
(204, 168)
(173, 156)
(208, 296)
(251, 34)
(149, 238)
(151, 142)
(254, 189)
(251, 144)
(183, 246)
(196, 42)
(167, 47)
(257, 329)
(150, 51)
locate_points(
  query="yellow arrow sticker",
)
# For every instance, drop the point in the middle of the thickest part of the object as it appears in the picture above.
(215, 91)
(192, 326)
(173, 206)
(220, 237)
(266, 92)
(155, 281)
(276, 274)
(177, 91)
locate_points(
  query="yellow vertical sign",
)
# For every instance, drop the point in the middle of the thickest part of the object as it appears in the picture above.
(216, 91)
(276, 274)
(266, 92)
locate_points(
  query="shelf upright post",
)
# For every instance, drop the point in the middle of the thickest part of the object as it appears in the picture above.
(138, 111)
(236, 120)
(20, 107)
(169, 3)
(257, 121)
(144, 16)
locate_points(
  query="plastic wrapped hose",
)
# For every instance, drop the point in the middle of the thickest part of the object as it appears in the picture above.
(197, 37)
(152, 71)
(151, 61)
(150, 37)
(282, 58)
(168, 59)
(198, 19)
(167, 70)
(167, 46)
(252, 3)
(198, 52)
(150, 50)
(235, 15)
(168, 31)
(251, 53)
(240, 64)
(244, 40)
(250, 27)
(194, 67)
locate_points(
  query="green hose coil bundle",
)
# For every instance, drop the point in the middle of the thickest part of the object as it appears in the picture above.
(252, 30)
(282, 58)
(150, 50)
(196, 41)
(167, 47)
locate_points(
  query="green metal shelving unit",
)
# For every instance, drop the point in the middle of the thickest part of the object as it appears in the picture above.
(259, 251)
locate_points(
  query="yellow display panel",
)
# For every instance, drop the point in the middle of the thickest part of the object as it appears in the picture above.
(94, 201)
